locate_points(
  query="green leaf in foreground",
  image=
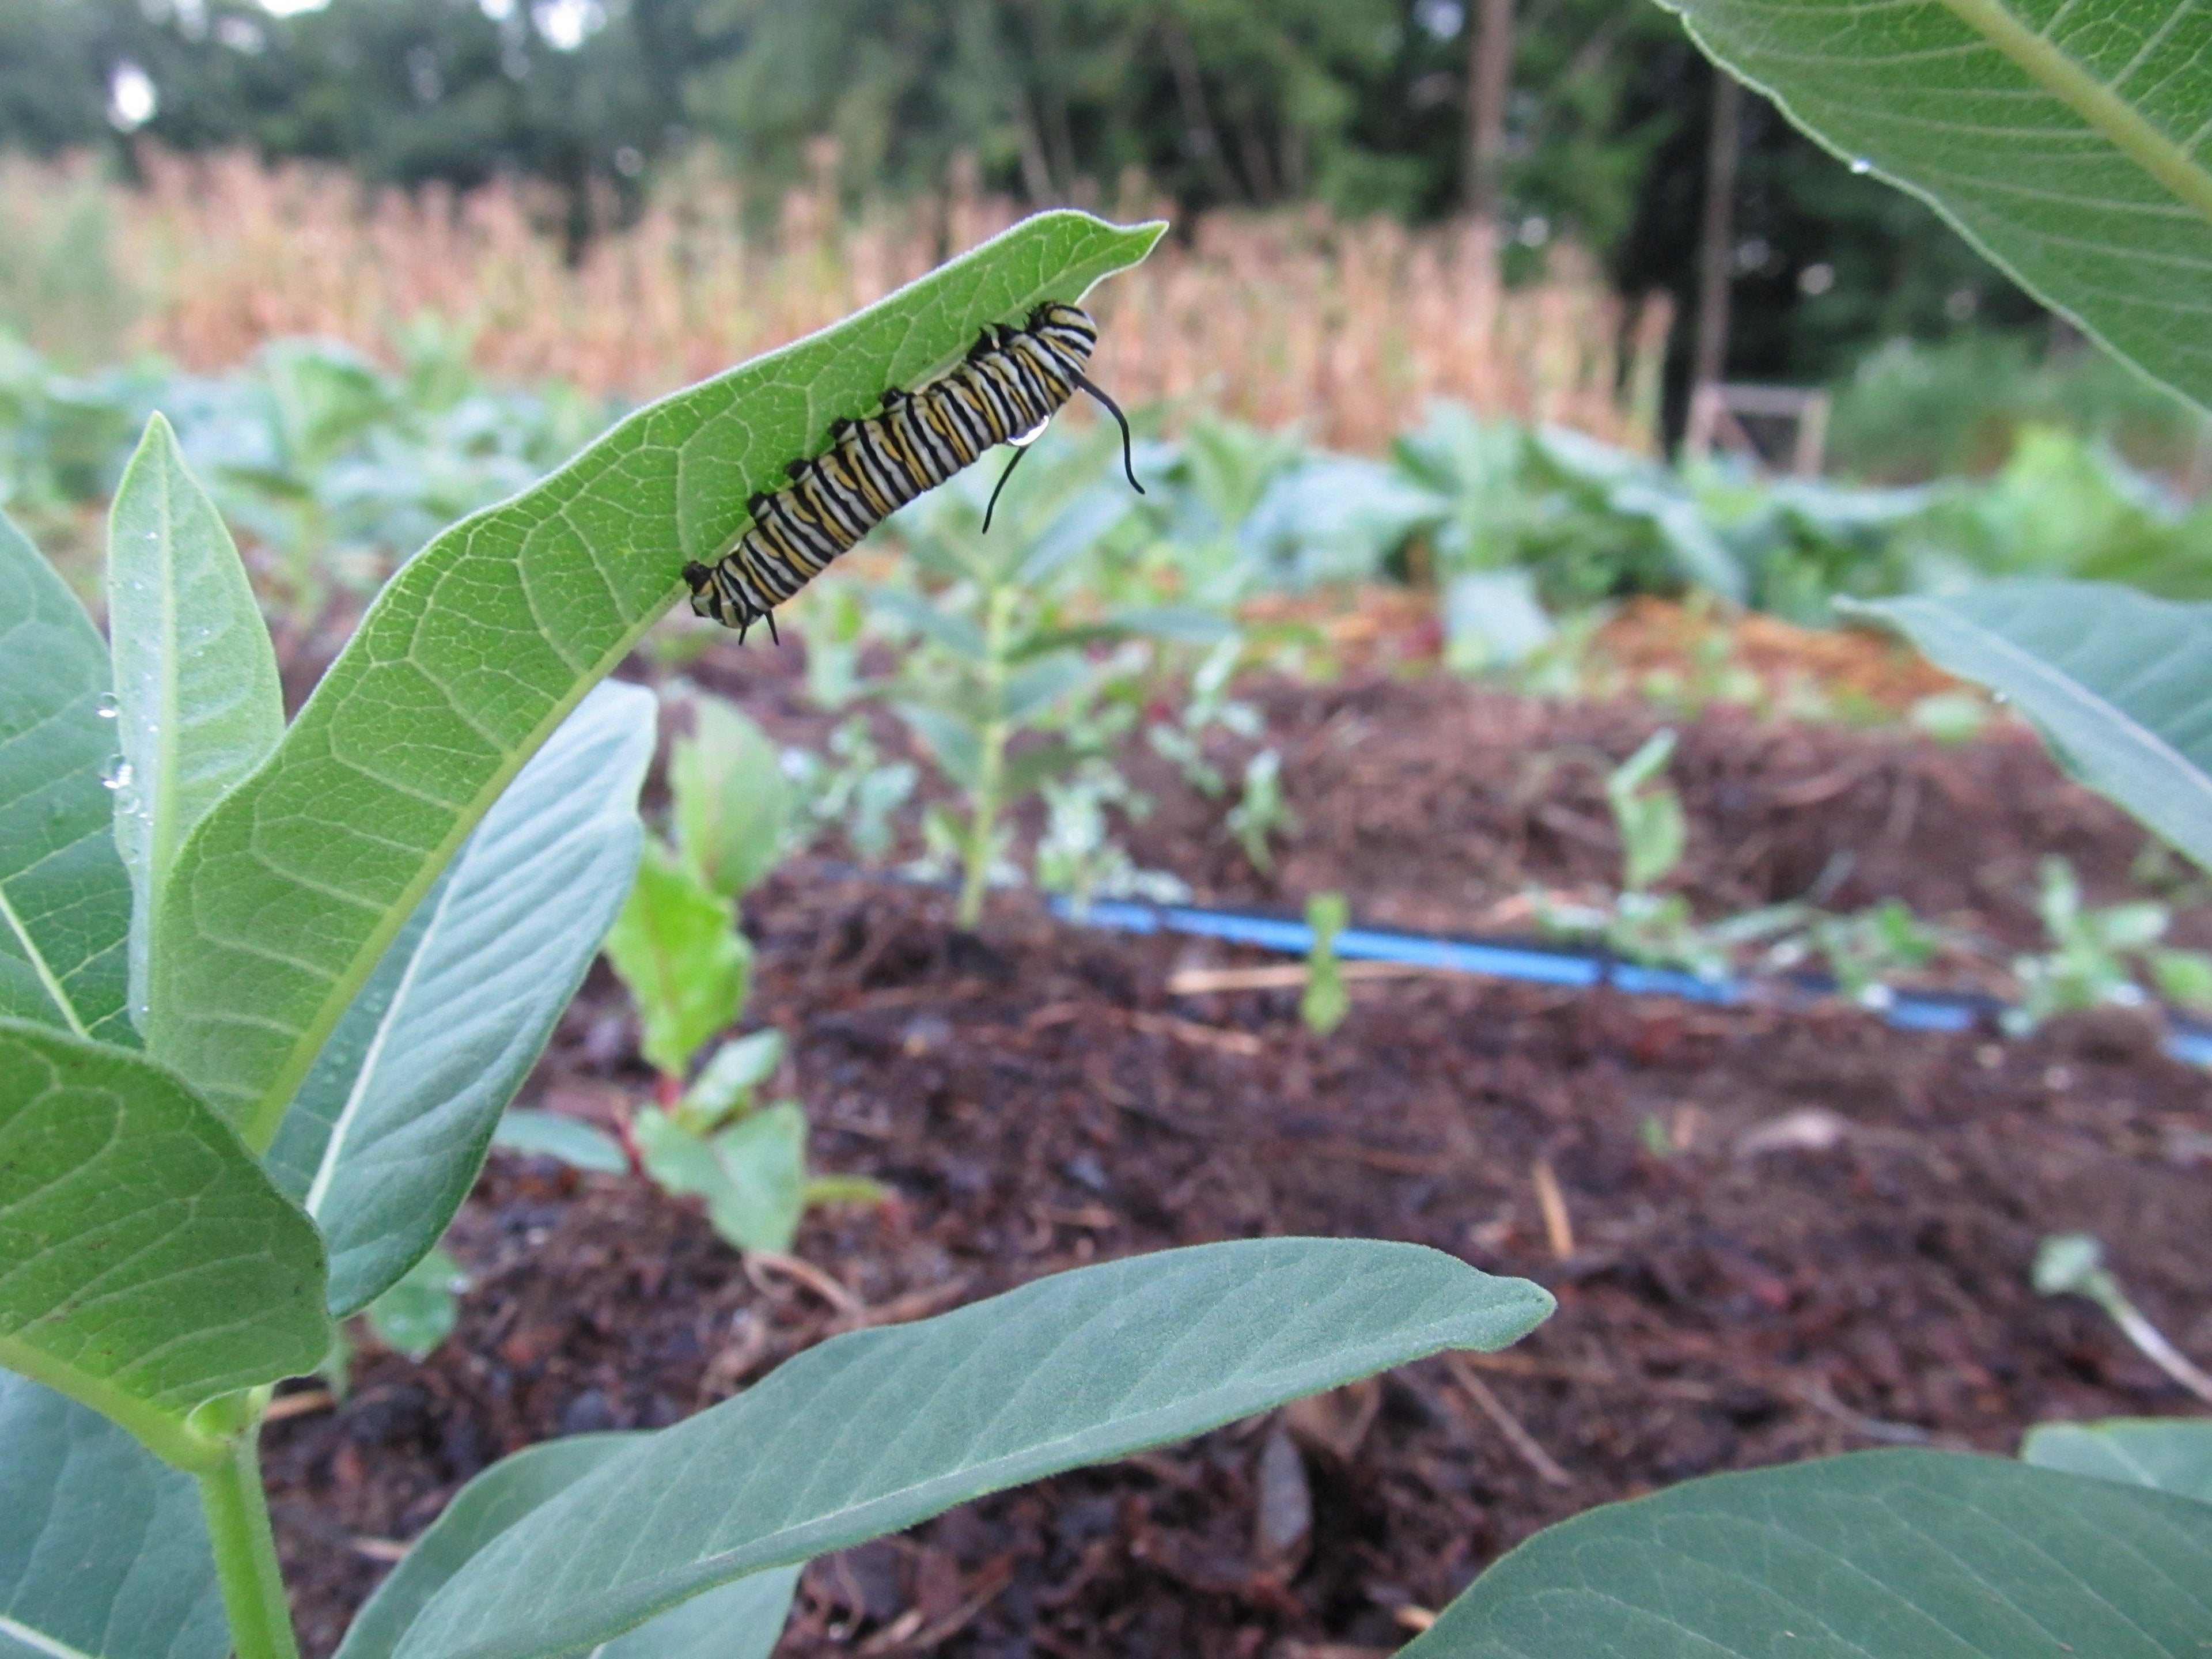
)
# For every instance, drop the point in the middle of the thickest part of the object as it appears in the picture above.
(2065, 141)
(146, 1262)
(389, 1130)
(285, 895)
(741, 1620)
(2172, 1454)
(198, 699)
(103, 1552)
(1876, 1555)
(876, 1430)
(65, 899)
(2119, 684)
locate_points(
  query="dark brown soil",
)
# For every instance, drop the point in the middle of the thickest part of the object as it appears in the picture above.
(1774, 1236)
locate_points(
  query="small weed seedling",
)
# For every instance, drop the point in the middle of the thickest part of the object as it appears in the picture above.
(1077, 856)
(1327, 999)
(2095, 953)
(1647, 814)
(2072, 1264)
(1261, 813)
(1181, 737)
(1865, 952)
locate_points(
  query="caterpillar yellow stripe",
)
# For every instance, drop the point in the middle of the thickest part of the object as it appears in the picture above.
(1012, 381)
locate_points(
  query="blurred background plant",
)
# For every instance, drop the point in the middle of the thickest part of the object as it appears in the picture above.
(2101, 956)
(677, 948)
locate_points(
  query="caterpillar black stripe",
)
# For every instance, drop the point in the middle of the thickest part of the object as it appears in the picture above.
(1011, 383)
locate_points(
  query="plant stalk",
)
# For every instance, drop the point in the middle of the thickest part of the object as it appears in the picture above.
(991, 770)
(237, 1510)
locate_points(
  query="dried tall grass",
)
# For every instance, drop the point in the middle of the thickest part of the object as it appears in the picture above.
(1344, 327)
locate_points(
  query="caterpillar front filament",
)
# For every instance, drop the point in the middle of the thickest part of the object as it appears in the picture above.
(1011, 383)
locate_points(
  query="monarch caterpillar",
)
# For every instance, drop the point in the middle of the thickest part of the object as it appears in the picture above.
(1011, 383)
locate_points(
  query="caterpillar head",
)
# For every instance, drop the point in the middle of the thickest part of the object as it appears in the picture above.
(702, 589)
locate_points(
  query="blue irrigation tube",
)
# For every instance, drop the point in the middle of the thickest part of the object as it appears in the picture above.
(1905, 1010)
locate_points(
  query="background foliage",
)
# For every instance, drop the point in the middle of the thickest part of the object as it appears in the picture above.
(1358, 105)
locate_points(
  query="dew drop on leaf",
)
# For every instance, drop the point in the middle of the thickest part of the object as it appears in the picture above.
(106, 706)
(116, 773)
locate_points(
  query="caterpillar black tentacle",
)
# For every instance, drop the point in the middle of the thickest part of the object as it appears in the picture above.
(1011, 383)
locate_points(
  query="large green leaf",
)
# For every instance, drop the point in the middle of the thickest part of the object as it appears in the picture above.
(2065, 140)
(2174, 1454)
(285, 895)
(876, 1430)
(2119, 684)
(146, 1262)
(740, 1620)
(390, 1129)
(1877, 1555)
(103, 1552)
(65, 899)
(196, 687)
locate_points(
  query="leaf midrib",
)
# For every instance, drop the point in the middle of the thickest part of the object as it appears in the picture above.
(2067, 79)
(38, 1640)
(39, 965)
(266, 1114)
(161, 806)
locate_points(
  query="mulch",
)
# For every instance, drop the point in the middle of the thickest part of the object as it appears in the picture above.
(1772, 1236)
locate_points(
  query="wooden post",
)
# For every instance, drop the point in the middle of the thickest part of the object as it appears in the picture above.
(1716, 251)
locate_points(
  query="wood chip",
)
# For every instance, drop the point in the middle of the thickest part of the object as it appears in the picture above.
(822, 1284)
(1286, 976)
(915, 1305)
(299, 1404)
(1558, 1225)
(1204, 1037)
(1507, 1425)
(387, 1550)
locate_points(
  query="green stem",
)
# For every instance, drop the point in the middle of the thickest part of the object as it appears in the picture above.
(237, 1510)
(991, 773)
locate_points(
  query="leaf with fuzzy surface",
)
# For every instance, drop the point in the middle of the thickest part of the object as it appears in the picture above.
(875, 1429)
(741, 1620)
(383, 1149)
(103, 1552)
(2119, 684)
(1877, 1555)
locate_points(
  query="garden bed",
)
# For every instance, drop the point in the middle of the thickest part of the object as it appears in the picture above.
(1772, 1235)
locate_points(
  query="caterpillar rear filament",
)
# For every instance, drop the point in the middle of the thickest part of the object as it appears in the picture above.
(1011, 383)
